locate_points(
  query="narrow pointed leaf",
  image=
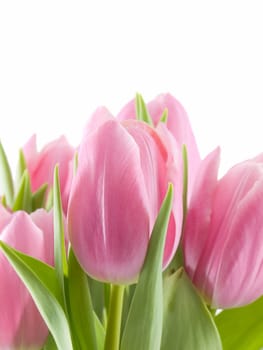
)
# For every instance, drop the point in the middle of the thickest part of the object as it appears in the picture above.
(81, 310)
(45, 272)
(3, 201)
(242, 328)
(187, 324)
(38, 198)
(100, 333)
(48, 306)
(50, 343)
(144, 323)
(59, 238)
(6, 180)
(127, 300)
(97, 292)
(21, 166)
(75, 163)
(23, 200)
(141, 110)
(164, 116)
(49, 201)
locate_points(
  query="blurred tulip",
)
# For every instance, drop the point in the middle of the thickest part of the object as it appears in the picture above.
(178, 124)
(223, 233)
(41, 164)
(122, 177)
(21, 326)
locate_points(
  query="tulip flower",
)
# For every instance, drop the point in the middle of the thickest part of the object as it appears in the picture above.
(41, 164)
(21, 326)
(122, 177)
(223, 233)
(178, 124)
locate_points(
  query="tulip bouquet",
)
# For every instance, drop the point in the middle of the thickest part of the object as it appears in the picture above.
(130, 241)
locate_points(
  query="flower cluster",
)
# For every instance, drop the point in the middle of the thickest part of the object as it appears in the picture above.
(130, 240)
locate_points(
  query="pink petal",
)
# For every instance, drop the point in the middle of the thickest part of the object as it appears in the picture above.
(239, 252)
(20, 323)
(109, 234)
(197, 226)
(179, 125)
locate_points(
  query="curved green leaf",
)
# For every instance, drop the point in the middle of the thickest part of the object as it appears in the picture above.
(38, 197)
(6, 180)
(187, 325)
(23, 200)
(61, 265)
(100, 332)
(81, 310)
(141, 110)
(39, 281)
(144, 323)
(242, 328)
(21, 166)
(164, 116)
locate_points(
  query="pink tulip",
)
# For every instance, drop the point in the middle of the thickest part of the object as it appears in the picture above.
(122, 177)
(178, 123)
(41, 164)
(21, 326)
(223, 234)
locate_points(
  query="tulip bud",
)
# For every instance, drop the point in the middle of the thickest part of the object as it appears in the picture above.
(223, 233)
(178, 124)
(41, 165)
(21, 325)
(122, 177)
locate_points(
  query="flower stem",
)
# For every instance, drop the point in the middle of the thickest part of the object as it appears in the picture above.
(112, 339)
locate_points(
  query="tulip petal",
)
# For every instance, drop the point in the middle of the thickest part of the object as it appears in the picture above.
(5, 217)
(161, 164)
(108, 210)
(178, 123)
(41, 164)
(44, 220)
(98, 118)
(198, 219)
(239, 263)
(19, 319)
(128, 111)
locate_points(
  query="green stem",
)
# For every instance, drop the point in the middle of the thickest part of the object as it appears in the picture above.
(112, 339)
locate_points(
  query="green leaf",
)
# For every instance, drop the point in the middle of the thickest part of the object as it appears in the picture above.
(100, 333)
(50, 343)
(6, 180)
(40, 281)
(144, 323)
(127, 300)
(164, 116)
(242, 328)
(21, 166)
(61, 265)
(99, 292)
(81, 310)
(187, 324)
(141, 110)
(38, 198)
(3, 201)
(41, 269)
(23, 200)
(75, 163)
(49, 200)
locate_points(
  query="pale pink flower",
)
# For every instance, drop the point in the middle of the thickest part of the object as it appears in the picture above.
(21, 325)
(224, 233)
(122, 177)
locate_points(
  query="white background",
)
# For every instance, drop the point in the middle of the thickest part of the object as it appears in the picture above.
(59, 60)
